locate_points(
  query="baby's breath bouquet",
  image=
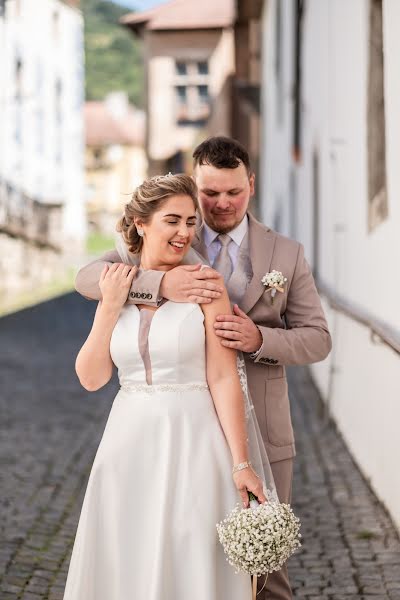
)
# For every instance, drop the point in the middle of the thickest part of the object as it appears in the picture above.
(259, 539)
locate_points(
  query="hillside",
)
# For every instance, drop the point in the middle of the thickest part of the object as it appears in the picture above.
(112, 54)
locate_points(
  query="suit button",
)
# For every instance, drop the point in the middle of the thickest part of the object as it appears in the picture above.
(132, 294)
(143, 295)
(149, 296)
(275, 361)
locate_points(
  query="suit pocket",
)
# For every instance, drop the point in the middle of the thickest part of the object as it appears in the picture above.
(277, 412)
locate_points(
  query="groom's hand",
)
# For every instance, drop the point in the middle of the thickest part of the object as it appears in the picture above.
(187, 283)
(238, 331)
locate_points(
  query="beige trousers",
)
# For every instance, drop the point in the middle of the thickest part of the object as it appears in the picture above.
(278, 586)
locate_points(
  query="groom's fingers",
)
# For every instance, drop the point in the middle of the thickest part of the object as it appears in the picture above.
(232, 344)
(228, 325)
(230, 335)
(229, 318)
(199, 299)
(207, 273)
(239, 312)
(191, 267)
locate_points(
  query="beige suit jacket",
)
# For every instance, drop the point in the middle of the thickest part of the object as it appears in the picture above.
(293, 327)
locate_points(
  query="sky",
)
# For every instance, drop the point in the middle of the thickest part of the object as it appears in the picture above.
(138, 4)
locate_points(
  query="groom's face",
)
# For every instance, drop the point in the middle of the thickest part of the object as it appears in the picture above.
(224, 195)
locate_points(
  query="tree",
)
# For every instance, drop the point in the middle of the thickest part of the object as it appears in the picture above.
(113, 57)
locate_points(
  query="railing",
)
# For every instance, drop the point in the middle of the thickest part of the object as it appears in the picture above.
(379, 329)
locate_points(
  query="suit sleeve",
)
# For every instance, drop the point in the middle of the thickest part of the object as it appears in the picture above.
(144, 289)
(306, 338)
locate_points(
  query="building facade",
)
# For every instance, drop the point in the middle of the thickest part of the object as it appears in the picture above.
(115, 160)
(41, 139)
(330, 179)
(188, 50)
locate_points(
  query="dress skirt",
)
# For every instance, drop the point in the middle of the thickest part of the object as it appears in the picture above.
(160, 481)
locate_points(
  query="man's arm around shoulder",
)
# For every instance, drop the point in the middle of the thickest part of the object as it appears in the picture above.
(144, 289)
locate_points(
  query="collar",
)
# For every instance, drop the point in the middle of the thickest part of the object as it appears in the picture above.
(237, 234)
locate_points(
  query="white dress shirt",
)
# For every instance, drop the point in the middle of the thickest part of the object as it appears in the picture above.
(213, 245)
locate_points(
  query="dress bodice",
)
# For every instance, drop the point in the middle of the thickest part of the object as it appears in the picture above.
(175, 352)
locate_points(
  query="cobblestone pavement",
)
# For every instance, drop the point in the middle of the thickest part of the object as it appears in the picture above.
(50, 429)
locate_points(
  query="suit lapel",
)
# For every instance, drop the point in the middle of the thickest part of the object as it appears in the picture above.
(262, 243)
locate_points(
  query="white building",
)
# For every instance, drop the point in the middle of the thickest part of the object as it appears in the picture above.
(41, 136)
(331, 180)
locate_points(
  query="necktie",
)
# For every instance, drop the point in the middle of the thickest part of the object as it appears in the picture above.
(223, 262)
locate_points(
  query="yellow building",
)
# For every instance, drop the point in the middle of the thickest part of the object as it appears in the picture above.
(115, 158)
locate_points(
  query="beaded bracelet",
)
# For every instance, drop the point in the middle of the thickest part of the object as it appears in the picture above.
(240, 466)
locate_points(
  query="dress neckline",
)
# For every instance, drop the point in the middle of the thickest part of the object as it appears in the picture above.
(165, 301)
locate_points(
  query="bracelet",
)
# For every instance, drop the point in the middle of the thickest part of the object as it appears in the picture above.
(240, 466)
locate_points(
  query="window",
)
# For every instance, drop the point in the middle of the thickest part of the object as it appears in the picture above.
(180, 67)
(181, 93)
(279, 62)
(203, 92)
(298, 19)
(58, 120)
(56, 24)
(377, 191)
(18, 101)
(202, 67)
(192, 92)
(40, 120)
(316, 212)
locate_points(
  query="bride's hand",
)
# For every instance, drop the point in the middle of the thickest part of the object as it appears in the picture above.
(115, 283)
(247, 480)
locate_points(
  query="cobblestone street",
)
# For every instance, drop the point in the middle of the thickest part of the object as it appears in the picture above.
(50, 430)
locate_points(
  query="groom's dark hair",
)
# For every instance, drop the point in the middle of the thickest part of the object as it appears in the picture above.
(221, 152)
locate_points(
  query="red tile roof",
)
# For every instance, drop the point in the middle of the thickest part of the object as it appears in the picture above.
(184, 14)
(103, 129)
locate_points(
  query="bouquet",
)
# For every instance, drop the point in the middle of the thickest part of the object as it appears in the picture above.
(259, 539)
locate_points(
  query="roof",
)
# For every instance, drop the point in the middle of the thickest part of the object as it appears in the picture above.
(102, 128)
(184, 14)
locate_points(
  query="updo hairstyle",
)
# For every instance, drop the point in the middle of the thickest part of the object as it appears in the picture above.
(147, 199)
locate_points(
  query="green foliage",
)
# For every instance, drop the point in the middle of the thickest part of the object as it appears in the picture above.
(97, 243)
(112, 53)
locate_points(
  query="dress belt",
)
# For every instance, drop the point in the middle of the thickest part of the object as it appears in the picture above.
(163, 387)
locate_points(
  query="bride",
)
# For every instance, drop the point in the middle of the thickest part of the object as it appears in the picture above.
(173, 458)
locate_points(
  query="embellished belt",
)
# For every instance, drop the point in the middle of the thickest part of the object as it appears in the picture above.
(163, 387)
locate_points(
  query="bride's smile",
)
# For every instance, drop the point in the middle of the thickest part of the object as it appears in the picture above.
(168, 234)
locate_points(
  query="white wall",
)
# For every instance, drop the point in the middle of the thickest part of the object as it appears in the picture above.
(47, 162)
(363, 390)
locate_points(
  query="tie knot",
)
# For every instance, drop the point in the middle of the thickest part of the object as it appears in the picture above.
(224, 238)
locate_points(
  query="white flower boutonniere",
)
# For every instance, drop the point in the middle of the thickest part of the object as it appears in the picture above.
(275, 281)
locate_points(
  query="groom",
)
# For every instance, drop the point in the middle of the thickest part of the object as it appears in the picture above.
(288, 328)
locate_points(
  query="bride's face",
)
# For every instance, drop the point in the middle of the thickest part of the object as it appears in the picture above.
(169, 233)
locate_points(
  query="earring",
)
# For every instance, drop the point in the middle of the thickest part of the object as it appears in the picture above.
(140, 232)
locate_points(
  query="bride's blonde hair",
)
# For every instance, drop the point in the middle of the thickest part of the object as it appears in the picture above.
(148, 199)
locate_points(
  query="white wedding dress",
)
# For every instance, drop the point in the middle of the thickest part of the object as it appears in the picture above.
(161, 478)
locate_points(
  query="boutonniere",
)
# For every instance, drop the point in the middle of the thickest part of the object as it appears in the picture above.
(275, 282)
